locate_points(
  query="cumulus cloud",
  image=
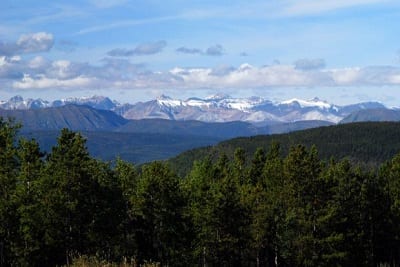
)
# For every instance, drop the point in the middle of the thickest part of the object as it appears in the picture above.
(222, 70)
(28, 43)
(120, 73)
(11, 67)
(42, 82)
(36, 42)
(248, 76)
(309, 64)
(215, 50)
(140, 50)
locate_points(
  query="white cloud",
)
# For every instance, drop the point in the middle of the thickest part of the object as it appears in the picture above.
(114, 73)
(28, 43)
(346, 76)
(35, 42)
(42, 82)
(38, 63)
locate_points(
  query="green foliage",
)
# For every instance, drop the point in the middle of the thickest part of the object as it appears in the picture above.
(368, 144)
(8, 184)
(276, 207)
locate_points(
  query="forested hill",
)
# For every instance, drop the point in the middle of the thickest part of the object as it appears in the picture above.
(68, 209)
(368, 142)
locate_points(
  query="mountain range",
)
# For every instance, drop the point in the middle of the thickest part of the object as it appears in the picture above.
(218, 108)
(164, 127)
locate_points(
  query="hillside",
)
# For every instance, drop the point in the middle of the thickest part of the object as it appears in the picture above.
(379, 114)
(195, 128)
(368, 142)
(136, 148)
(73, 117)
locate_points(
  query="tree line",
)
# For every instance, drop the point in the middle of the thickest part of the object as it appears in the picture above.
(266, 210)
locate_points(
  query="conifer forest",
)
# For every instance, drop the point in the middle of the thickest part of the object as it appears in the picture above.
(270, 209)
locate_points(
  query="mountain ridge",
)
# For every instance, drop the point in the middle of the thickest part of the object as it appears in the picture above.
(217, 108)
(371, 143)
(73, 117)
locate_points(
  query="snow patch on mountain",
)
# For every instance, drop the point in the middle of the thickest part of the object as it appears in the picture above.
(214, 108)
(315, 102)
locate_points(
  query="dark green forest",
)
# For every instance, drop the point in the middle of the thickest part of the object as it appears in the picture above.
(276, 207)
(368, 144)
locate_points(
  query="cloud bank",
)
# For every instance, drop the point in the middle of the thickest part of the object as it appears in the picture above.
(114, 73)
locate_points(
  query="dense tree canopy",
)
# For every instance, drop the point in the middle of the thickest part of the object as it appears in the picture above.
(269, 209)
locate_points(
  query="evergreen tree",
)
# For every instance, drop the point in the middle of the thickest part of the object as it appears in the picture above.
(301, 170)
(28, 248)
(390, 179)
(127, 178)
(267, 209)
(73, 200)
(257, 165)
(159, 205)
(8, 182)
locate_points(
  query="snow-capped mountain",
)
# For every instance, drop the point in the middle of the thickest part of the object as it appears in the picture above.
(97, 102)
(221, 108)
(216, 108)
(17, 102)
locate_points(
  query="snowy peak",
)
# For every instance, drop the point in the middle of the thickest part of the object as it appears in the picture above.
(216, 108)
(315, 102)
(18, 102)
(97, 102)
(217, 97)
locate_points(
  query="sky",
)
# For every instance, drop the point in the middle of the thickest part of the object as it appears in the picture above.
(341, 51)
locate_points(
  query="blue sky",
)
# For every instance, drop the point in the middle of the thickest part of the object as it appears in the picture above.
(343, 51)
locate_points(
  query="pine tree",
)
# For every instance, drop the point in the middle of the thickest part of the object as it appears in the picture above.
(30, 213)
(267, 209)
(70, 198)
(127, 178)
(159, 205)
(8, 181)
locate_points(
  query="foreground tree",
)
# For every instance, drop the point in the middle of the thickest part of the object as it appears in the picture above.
(81, 203)
(8, 182)
(28, 193)
(159, 204)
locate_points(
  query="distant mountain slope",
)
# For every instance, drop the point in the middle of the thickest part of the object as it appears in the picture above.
(294, 126)
(195, 128)
(97, 102)
(372, 115)
(369, 142)
(133, 147)
(77, 118)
